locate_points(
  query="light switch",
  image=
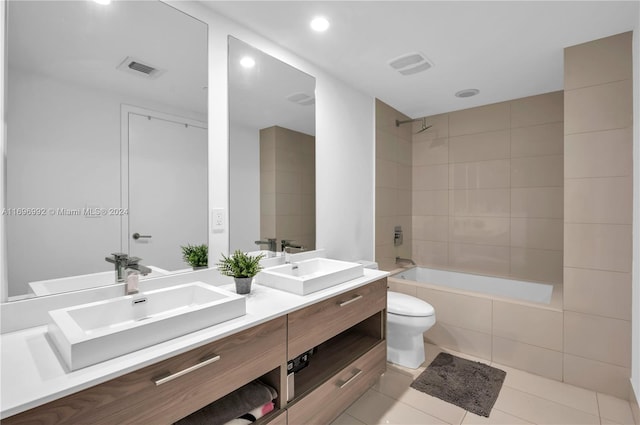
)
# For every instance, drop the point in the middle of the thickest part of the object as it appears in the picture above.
(217, 220)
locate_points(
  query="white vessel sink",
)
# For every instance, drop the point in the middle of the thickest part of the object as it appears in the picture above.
(84, 281)
(98, 331)
(308, 276)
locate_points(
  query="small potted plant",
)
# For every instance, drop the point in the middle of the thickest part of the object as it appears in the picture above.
(242, 267)
(196, 255)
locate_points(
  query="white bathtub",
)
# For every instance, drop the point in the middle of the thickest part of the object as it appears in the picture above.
(500, 287)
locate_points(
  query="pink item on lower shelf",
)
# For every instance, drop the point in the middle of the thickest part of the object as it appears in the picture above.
(267, 408)
(259, 412)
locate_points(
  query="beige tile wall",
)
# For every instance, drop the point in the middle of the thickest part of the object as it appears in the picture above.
(287, 186)
(598, 214)
(493, 175)
(536, 188)
(393, 185)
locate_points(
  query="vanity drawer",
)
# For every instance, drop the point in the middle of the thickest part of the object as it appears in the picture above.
(330, 399)
(317, 323)
(173, 388)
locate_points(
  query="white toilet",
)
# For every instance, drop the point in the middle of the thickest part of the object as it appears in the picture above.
(407, 319)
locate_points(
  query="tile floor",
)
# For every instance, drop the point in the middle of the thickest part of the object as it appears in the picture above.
(524, 399)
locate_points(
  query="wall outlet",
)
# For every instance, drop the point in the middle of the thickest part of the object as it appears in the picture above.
(217, 220)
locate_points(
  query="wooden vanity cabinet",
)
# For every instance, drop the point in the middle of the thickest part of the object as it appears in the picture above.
(347, 332)
(317, 323)
(142, 397)
(331, 398)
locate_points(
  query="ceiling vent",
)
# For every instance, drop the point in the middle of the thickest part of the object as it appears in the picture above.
(301, 99)
(139, 68)
(411, 63)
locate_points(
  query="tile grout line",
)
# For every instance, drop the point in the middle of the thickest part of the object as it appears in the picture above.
(433, 415)
(598, 406)
(402, 403)
(554, 402)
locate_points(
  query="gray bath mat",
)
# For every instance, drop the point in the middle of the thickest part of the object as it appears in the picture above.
(471, 385)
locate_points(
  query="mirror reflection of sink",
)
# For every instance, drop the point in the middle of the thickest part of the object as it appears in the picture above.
(308, 276)
(90, 333)
(84, 281)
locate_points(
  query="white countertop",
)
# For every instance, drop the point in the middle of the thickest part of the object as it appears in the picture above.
(32, 374)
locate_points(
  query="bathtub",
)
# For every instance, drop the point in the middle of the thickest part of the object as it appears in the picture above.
(509, 322)
(488, 285)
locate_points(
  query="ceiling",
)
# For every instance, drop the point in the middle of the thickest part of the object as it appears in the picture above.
(83, 43)
(506, 49)
(258, 96)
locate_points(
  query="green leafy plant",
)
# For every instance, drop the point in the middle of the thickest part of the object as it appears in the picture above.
(195, 255)
(240, 264)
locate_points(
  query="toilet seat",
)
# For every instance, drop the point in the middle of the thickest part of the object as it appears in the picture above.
(406, 305)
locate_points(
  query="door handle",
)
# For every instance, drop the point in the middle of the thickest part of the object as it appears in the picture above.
(137, 236)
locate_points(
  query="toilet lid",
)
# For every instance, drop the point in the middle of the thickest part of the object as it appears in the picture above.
(406, 305)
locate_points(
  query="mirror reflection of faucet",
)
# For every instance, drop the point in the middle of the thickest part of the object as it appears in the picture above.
(287, 246)
(128, 268)
(271, 243)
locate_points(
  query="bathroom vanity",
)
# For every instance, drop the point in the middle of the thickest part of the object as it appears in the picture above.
(344, 326)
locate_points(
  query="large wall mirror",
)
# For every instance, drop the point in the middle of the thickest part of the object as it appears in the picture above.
(271, 151)
(106, 140)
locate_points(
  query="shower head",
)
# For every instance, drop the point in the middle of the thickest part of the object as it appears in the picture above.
(424, 124)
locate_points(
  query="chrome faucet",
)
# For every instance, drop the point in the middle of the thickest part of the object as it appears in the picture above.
(287, 246)
(123, 263)
(271, 243)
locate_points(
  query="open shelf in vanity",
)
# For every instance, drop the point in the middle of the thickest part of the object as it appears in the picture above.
(348, 332)
(337, 353)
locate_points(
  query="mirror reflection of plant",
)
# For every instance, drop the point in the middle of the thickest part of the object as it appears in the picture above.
(240, 264)
(196, 255)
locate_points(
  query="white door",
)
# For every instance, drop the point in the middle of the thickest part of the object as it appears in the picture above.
(167, 190)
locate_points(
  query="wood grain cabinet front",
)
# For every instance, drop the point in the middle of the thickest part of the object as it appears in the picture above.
(279, 419)
(327, 402)
(347, 332)
(171, 389)
(321, 321)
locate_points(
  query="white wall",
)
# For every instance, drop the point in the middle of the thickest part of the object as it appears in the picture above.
(345, 171)
(244, 174)
(344, 144)
(3, 160)
(64, 153)
(64, 157)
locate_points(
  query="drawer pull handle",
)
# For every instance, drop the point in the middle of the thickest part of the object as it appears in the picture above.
(350, 380)
(203, 362)
(352, 300)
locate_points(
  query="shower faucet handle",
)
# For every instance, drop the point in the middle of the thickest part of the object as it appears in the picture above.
(397, 236)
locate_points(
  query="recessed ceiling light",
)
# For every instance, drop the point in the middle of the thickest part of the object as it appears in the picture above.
(247, 62)
(319, 24)
(103, 2)
(467, 93)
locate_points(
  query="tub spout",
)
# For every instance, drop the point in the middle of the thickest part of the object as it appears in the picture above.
(405, 260)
